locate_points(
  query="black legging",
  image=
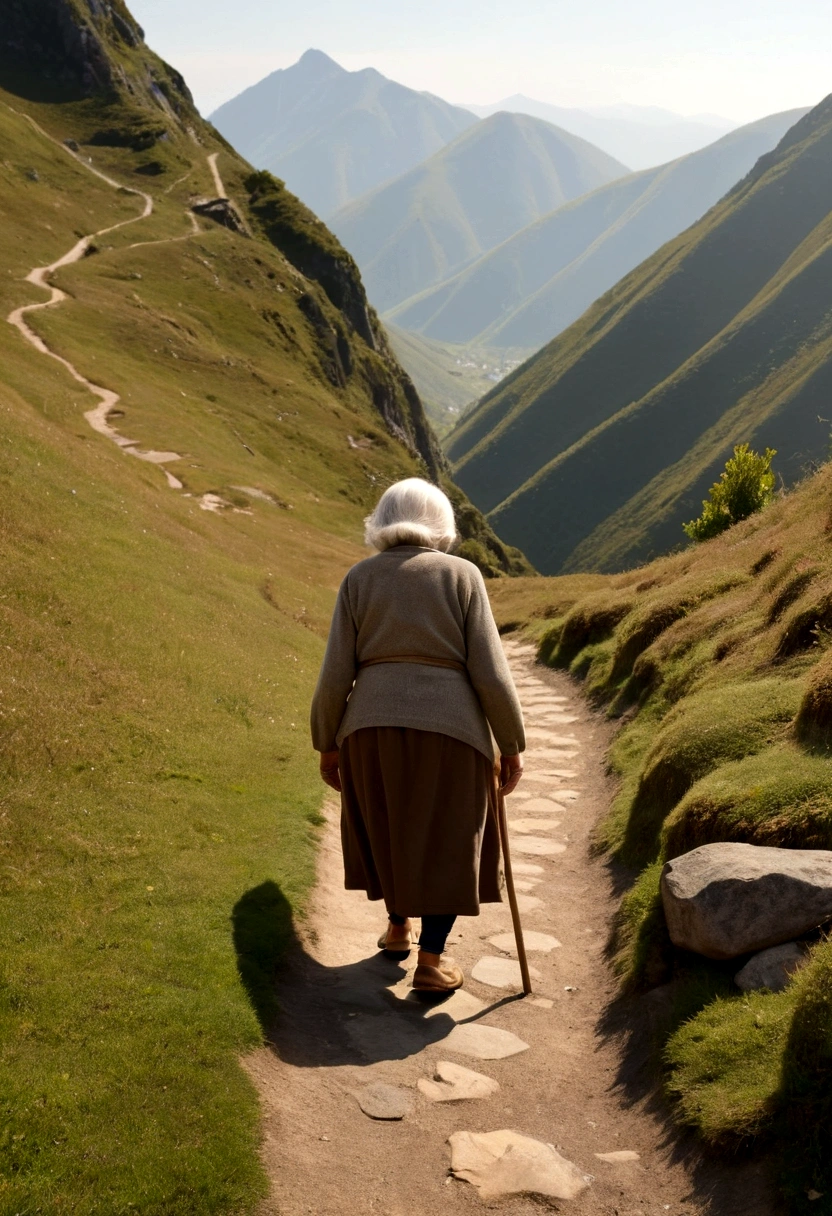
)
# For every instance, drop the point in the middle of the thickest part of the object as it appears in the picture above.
(435, 930)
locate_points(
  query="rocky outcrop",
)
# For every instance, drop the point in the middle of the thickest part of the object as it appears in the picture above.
(221, 211)
(727, 899)
(50, 38)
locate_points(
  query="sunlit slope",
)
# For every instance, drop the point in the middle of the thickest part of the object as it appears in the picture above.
(594, 452)
(158, 796)
(537, 283)
(332, 135)
(494, 179)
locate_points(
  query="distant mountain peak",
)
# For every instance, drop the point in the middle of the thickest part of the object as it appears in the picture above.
(319, 62)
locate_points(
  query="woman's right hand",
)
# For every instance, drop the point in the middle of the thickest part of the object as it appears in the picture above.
(329, 770)
(511, 770)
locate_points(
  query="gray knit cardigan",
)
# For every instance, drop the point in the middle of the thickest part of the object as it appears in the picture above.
(416, 601)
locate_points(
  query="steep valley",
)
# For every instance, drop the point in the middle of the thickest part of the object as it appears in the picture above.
(594, 453)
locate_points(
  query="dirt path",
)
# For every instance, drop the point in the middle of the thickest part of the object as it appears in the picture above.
(40, 276)
(349, 1020)
(215, 173)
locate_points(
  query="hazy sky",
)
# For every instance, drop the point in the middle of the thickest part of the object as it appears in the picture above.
(738, 58)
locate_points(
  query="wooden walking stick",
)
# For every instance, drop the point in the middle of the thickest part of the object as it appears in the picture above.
(502, 823)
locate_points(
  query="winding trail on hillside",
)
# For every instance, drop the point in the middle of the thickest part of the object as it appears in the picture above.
(570, 1063)
(98, 418)
(215, 174)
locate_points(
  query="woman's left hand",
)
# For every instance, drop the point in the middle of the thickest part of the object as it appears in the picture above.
(511, 770)
(329, 770)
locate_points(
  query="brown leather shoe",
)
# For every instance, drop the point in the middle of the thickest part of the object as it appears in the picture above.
(437, 979)
(400, 945)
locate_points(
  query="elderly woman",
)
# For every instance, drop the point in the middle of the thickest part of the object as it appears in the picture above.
(413, 677)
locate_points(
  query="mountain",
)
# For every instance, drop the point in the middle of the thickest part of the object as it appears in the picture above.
(595, 451)
(333, 135)
(494, 179)
(640, 136)
(538, 282)
(197, 409)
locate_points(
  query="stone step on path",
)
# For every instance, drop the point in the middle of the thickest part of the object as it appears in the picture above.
(382, 1103)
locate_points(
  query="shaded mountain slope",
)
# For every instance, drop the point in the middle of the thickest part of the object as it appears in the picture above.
(493, 180)
(160, 640)
(596, 450)
(333, 135)
(640, 136)
(529, 289)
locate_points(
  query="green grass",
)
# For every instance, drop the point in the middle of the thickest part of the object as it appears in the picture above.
(594, 453)
(717, 661)
(159, 799)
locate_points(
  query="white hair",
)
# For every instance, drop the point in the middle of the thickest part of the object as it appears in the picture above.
(411, 512)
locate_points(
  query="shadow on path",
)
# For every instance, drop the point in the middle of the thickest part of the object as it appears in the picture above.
(315, 1016)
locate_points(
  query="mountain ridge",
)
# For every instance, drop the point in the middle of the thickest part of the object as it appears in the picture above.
(536, 283)
(470, 196)
(333, 135)
(640, 136)
(717, 338)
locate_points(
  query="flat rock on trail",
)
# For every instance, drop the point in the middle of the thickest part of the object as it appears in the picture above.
(571, 1075)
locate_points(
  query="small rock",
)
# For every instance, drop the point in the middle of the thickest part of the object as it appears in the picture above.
(33, 175)
(529, 903)
(500, 973)
(453, 1083)
(543, 804)
(726, 899)
(484, 1042)
(507, 1163)
(459, 1005)
(541, 942)
(72, 144)
(533, 825)
(382, 1101)
(537, 846)
(619, 1156)
(772, 968)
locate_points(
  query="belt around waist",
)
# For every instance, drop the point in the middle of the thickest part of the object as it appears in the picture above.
(453, 664)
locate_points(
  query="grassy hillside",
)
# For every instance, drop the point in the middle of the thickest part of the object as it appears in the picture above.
(158, 797)
(640, 136)
(494, 179)
(332, 135)
(534, 285)
(717, 661)
(450, 379)
(594, 453)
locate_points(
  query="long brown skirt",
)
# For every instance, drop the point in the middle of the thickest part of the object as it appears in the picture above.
(418, 821)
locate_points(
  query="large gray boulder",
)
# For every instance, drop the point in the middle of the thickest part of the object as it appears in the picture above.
(722, 900)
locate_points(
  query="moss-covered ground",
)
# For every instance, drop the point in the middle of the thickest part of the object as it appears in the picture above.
(716, 661)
